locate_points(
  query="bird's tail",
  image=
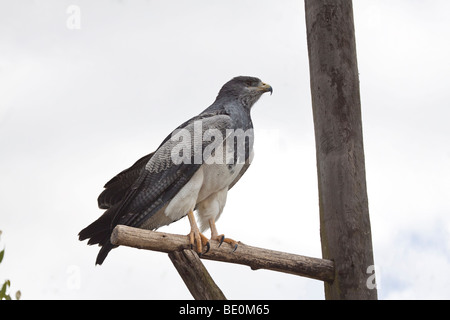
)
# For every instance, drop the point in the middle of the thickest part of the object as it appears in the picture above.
(103, 253)
(99, 232)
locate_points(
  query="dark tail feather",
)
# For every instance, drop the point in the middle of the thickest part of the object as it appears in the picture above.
(100, 228)
(95, 232)
(99, 232)
(106, 248)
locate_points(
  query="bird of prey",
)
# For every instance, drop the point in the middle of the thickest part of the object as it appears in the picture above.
(192, 170)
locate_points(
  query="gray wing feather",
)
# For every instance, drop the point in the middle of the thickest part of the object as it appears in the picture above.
(163, 178)
(116, 188)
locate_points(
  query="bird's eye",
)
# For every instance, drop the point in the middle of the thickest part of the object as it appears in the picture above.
(249, 83)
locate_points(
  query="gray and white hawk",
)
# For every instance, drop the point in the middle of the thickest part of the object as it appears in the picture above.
(192, 169)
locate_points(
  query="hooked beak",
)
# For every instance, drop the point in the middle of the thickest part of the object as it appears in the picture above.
(265, 88)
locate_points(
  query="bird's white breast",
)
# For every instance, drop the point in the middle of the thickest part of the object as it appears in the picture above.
(208, 180)
(216, 177)
(207, 189)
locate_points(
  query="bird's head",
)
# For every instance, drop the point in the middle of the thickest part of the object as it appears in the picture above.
(247, 90)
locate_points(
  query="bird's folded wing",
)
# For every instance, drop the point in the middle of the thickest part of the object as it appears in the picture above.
(116, 188)
(162, 177)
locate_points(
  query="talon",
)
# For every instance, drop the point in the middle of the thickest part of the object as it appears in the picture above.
(198, 241)
(232, 242)
(221, 238)
(208, 246)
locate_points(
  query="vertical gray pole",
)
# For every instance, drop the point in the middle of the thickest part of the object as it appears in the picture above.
(344, 214)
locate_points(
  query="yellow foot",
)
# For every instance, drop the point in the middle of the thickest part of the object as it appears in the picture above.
(196, 237)
(221, 238)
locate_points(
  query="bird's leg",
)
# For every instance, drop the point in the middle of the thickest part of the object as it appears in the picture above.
(196, 236)
(220, 237)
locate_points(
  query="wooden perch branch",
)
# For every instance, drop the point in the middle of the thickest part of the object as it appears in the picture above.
(195, 275)
(255, 258)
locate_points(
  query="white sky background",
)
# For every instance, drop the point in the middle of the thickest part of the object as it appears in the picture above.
(79, 106)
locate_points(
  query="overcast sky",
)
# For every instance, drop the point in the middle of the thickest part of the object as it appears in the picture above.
(77, 106)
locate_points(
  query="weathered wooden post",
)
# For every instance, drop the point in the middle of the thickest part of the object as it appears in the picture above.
(195, 275)
(344, 214)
